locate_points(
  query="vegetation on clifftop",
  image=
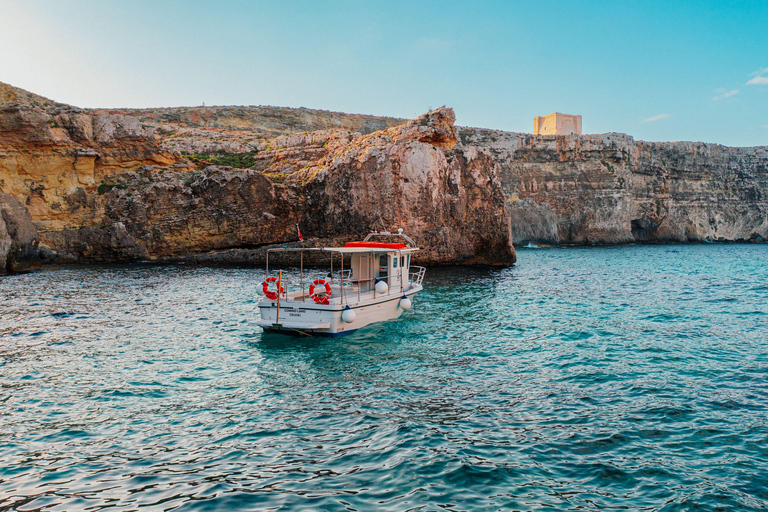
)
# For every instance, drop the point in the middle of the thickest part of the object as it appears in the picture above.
(221, 157)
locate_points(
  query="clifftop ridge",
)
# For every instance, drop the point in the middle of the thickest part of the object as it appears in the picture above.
(10, 95)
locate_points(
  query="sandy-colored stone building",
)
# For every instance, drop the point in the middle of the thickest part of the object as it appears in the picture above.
(557, 124)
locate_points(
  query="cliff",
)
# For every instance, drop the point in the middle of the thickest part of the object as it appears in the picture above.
(103, 186)
(336, 185)
(53, 156)
(224, 183)
(611, 189)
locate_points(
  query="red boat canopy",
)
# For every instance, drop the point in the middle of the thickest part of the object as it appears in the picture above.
(375, 245)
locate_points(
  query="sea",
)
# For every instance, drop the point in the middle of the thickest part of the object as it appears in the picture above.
(600, 378)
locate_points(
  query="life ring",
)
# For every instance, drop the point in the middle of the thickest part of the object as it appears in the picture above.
(320, 299)
(265, 287)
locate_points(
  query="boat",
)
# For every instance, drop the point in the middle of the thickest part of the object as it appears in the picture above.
(373, 281)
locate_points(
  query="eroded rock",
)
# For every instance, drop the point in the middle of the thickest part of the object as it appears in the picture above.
(337, 186)
(107, 185)
(18, 237)
(5, 245)
(611, 189)
(110, 243)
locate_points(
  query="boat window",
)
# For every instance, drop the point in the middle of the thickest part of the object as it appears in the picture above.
(394, 262)
(383, 267)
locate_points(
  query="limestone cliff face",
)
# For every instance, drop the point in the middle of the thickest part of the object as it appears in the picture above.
(412, 176)
(109, 186)
(53, 156)
(336, 185)
(609, 188)
(113, 185)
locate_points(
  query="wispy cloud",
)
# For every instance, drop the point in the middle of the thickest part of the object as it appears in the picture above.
(758, 80)
(724, 93)
(761, 71)
(659, 117)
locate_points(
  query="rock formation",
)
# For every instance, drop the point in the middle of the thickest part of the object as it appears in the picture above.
(336, 185)
(18, 237)
(611, 189)
(53, 156)
(101, 186)
(224, 183)
(5, 245)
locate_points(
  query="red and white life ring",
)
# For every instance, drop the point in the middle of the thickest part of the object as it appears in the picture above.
(269, 293)
(320, 299)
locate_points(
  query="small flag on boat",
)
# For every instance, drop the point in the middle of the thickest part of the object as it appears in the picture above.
(300, 237)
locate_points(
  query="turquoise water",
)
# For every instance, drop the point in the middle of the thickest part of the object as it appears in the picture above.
(580, 379)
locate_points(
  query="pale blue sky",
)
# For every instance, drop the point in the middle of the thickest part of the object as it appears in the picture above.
(657, 70)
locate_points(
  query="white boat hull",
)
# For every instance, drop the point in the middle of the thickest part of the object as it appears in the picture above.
(306, 317)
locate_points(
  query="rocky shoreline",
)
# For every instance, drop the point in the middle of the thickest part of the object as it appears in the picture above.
(221, 184)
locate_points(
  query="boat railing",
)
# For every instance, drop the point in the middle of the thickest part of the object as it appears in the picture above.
(297, 290)
(418, 276)
(300, 288)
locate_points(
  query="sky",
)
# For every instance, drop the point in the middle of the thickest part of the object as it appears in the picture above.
(657, 70)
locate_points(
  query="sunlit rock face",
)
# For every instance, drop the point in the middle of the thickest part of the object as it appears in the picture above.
(413, 176)
(100, 187)
(337, 186)
(53, 156)
(611, 189)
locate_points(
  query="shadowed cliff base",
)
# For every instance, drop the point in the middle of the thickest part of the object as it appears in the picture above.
(19, 250)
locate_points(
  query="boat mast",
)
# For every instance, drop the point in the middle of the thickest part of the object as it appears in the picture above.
(342, 295)
(279, 285)
(403, 271)
(302, 275)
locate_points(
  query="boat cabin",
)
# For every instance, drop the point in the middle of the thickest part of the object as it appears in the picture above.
(379, 264)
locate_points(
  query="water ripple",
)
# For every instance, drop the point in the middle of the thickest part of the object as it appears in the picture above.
(604, 378)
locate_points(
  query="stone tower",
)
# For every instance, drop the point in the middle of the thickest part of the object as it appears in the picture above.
(557, 124)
